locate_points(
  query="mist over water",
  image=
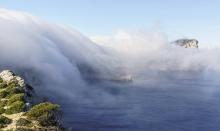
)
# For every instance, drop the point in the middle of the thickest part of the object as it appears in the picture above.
(172, 88)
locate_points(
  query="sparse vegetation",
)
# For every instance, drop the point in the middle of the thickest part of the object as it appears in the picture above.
(3, 85)
(24, 129)
(2, 110)
(13, 90)
(15, 107)
(9, 130)
(16, 97)
(3, 94)
(23, 122)
(12, 101)
(4, 121)
(3, 103)
(46, 113)
(12, 84)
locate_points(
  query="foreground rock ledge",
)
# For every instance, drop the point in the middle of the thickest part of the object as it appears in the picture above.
(17, 110)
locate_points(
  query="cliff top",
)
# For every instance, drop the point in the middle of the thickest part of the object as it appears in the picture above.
(18, 112)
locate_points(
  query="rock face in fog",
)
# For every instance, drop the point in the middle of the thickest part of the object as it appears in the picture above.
(187, 43)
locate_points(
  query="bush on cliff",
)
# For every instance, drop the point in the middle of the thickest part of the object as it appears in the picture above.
(3, 94)
(3, 85)
(23, 122)
(46, 113)
(3, 103)
(2, 110)
(16, 97)
(4, 121)
(15, 107)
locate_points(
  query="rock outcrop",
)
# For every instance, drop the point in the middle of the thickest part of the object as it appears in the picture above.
(19, 112)
(187, 43)
(8, 76)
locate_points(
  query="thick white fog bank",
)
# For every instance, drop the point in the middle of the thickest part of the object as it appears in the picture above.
(148, 50)
(61, 59)
(54, 55)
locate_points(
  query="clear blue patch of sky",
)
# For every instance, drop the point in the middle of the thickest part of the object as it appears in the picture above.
(177, 18)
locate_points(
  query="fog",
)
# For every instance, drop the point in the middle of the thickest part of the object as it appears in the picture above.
(152, 50)
(63, 60)
(62, 63)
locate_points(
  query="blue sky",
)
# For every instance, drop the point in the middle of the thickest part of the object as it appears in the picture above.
(177, 18)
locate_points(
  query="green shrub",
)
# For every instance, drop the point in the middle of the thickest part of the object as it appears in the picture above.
(1, 80)
(16, 97)
(12, 84)
(3, 85)
(3, 94)
(24, 129)
(9, 130)
(15, 107)
(23, 122)
(4, 121)
(3, 103)
(2, 110)
(42, 109)
(13, 91)
(48, 120)
(47, 114)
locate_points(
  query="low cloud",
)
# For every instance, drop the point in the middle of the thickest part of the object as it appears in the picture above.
(57, 59)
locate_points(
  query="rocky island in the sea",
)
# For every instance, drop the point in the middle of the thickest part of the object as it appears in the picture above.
(187, 43)
(18, 112)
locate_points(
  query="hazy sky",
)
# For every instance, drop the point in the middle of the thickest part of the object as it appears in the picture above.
(177, 18)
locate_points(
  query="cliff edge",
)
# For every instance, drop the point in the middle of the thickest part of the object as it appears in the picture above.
(17, 110)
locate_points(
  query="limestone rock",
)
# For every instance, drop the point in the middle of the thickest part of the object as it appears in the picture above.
(187, 43)
(9, 76)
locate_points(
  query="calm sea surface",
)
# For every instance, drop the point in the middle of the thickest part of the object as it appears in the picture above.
(165, 103)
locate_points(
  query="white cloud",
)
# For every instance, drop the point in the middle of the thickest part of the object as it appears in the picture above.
(59, 57)
(144, 50)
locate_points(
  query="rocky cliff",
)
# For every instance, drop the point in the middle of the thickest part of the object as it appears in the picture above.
(17, 110)
(187, 43)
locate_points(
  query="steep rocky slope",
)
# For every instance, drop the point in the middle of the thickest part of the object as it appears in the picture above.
(18, 112)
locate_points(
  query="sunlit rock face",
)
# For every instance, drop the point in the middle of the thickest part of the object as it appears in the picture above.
(8, 76)
(187, 43)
